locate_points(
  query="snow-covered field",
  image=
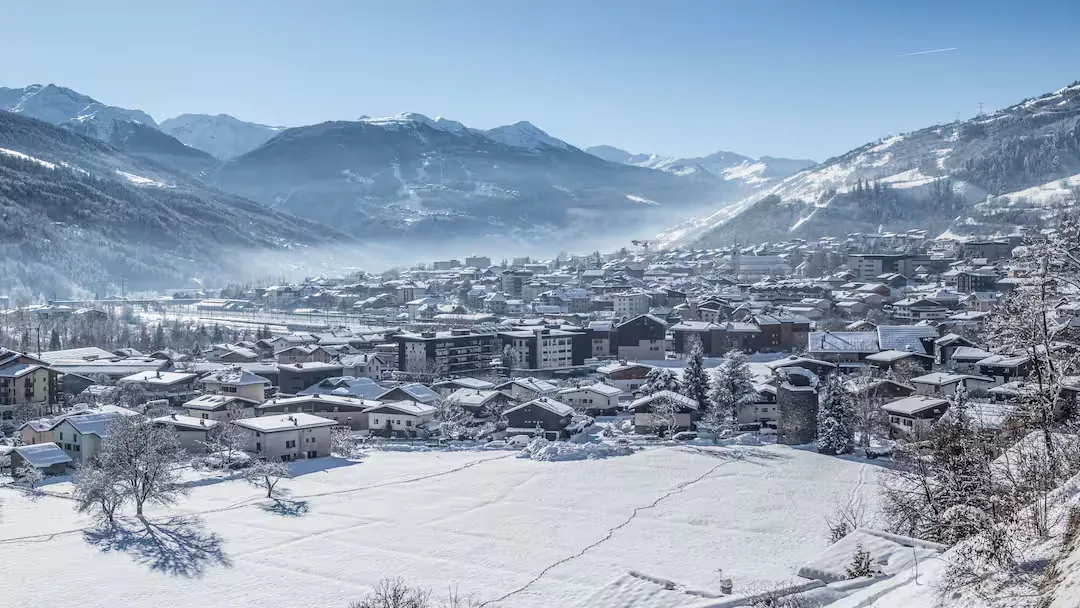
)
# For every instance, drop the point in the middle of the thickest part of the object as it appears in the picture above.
(515, 532)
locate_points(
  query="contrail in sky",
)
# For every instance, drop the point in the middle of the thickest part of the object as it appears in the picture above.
(952, 48)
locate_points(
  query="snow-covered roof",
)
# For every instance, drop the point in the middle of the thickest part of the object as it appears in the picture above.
(969, 353)
(889, 356)
(611, 368)
(681, 400)
(43, 455)
(943, 378)
(210, 402)
(603, 389)
(159, 377)
(910, 406)
(327, 398)
(415, 390)
(531, 384)
(555, 407)
(187, 422)
(284, 422)
(18, 370)
(472, 397)
(409, 408)
(95, 424)
(842, 342)
(234, 377)
(1004, 360)
(474, 383)
(904, 337)
(308, 366)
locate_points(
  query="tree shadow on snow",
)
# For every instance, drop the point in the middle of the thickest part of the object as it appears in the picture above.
(286, 507)
(731, 453)
(180, 546)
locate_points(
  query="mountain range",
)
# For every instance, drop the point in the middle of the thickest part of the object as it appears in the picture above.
(214, 182)
(997, 173)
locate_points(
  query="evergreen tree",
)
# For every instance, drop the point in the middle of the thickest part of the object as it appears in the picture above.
(836, 419)
(861, 564)
(24, 342)
(659, 379)
(217, 335)
(695, 382)
(159, 338)
(733, 386)
(54, 340)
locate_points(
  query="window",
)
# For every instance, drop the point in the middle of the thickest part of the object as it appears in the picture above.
(408, 423)
(61, 436)
(78, 448)
(67, 446)
(290, 443)
(258, 447)
(375, 421)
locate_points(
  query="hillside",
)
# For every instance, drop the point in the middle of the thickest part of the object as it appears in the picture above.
(130, 131)
(988, 175)
(222, 136)
(78, 213)
(409, 175)
(749, 174)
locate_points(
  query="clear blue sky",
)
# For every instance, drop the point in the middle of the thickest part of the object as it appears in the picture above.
(786, 78)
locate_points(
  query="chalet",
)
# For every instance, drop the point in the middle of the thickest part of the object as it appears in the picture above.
(220, 407)
(641, 338)
(345, 386)
(604, 339)
(236, 382)
(346, 411)
(878, 391)
(944, 384)
(26, 382)
(887, 359)
(841, 346)
(625, 376)
(366, 365)
(399, 418)
(304, 353)
(910, 338)
(177, 387)
(595, 400)
(544, 416)
(447, 387)
(524, 389)
(410, 392)
(964, 359)
(763, 409)
(229, 353)
(919, 309)
(913, 415)
(479, 402)
(287, 437)
(192, 432)
(816, 366)
(295, 377)
(45, 457)
(646, 422)
(1004, 368)
(81, 436)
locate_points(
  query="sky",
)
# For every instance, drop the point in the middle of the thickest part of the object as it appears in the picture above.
(800, 78)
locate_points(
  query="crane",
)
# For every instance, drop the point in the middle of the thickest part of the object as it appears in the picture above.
(643, 244)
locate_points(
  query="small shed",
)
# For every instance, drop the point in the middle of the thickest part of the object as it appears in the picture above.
(46, 457)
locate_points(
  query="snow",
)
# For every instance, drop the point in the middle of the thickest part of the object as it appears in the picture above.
(886, 143)
(1053, 192)
(22, 156)
(747, 172)
(641, 199)
(560, 451)
(412, 118)
(523, 135)
(139, 180)
(891, 554)
(539, 533)
(222, 136)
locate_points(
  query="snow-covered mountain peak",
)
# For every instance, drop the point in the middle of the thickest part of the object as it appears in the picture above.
(524, 135)
(63, 106)
(221, 135)
(413, 118)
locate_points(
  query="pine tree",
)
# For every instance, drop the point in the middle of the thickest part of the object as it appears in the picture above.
(54, 340)
(695, 382)
(861, 564)
(836, 419)
(659, 379)
(733, 386)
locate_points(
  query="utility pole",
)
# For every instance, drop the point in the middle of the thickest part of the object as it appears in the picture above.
(37, 330)
(980, 108)
(123, 286)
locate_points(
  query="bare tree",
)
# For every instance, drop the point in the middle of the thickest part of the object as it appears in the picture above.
(452, 418)
(143, 458)
(396, 593)
(225, 439)
(97, 492)
(664, 416)
(846, 515)
(267, 474)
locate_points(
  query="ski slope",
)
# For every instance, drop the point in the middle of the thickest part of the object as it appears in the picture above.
(509, 531)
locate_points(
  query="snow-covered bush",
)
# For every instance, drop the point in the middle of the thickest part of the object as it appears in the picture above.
(557, 451)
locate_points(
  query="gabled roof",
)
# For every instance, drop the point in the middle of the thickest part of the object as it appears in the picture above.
(970, 353)
(19, 370)
(473, 383)
(943, 378)
(889, 356)
(684, 402)
(905, 337)
(43, 455)
(213, 403)
(648, 317)
(600, 388)
(409, 408)
(472, 397)
(555, 407)
(530, 384)
(415, 390)
(842, 342)
(1004, 360)
(234, 377)
(159, 378)
(95, 424)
